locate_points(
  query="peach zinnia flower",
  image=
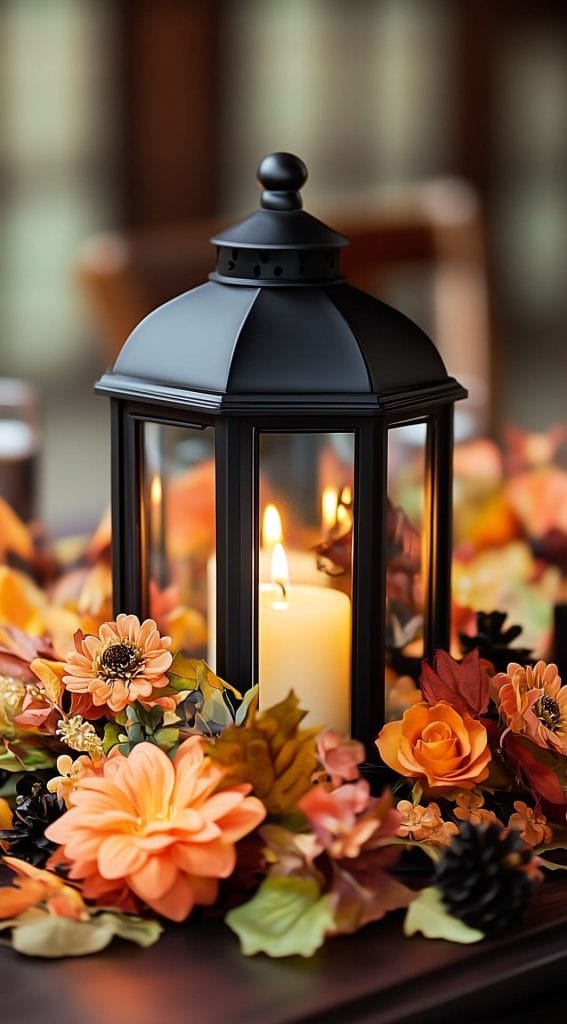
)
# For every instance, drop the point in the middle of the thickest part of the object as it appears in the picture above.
(533, 701)
(156, 826)
(125, 663)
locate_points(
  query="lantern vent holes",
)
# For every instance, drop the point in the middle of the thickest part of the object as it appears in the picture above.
(278, 266)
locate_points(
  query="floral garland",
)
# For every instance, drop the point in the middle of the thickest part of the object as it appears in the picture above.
(138, 787)
(132, 801)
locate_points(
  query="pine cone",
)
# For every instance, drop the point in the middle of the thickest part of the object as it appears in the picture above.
(36, 808)
(486, 877)
(493, 641)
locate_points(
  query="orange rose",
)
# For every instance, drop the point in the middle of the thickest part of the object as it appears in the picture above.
(437, 745)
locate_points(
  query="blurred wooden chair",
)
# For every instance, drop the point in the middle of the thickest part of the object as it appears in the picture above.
(434, 229)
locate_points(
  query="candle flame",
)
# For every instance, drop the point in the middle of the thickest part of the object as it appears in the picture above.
(329, 504)
(272, 532)
(280, 571)
(156, 493)
(346, 495)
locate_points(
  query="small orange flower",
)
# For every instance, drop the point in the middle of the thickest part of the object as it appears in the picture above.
(470, 807)
(444, 749)
(157, 826)
(533, 828)
(125, 663)
(424, 824)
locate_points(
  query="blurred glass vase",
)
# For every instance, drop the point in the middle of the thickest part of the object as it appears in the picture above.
(19, 446)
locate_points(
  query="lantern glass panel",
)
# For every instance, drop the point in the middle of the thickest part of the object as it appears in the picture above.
(305, 545)
(179, 497)
(406, 547)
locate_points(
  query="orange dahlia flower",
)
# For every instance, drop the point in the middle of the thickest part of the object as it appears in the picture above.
(123, 664)
(437, 745)
(157, 826)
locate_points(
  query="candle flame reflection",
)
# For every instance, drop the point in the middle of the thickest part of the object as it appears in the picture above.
(156, 493)
(329, 504)
(343, 516)
(272, 531)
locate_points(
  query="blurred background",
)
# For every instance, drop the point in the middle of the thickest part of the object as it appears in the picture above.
(126, 129)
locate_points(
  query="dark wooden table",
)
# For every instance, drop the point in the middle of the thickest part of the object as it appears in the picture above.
(196, 974)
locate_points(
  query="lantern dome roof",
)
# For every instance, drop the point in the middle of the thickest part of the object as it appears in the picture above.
(276, 327)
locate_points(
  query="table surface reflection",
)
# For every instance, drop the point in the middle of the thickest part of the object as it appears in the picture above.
(197, 974)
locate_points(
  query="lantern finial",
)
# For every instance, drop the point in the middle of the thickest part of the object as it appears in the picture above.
(281, 175)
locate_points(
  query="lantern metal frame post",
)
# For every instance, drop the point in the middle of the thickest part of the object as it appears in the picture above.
(276, 341)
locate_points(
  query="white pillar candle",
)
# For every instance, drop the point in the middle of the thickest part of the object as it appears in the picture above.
(304, 645)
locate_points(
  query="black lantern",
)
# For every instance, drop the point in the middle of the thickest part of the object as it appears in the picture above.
(277, 386)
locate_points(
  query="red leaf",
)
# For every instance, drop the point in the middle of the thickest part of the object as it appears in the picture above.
(365, 893)
(463, 685)
(532, 759)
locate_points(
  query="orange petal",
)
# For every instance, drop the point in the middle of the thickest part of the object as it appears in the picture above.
(155, 878)
(119, 856)
(176, 904)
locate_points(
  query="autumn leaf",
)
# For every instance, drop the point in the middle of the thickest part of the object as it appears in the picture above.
(51, 675)
(463, 686)
(364, 892)
(544, 770)
(427, 914)
(287, 916)
(39, 933)
(194, 674)
(270, 752)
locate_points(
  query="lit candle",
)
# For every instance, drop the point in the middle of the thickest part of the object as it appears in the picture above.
(302, 564)
(304, 645)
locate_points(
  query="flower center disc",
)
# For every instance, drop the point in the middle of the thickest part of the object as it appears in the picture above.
(548, 711)
(120, 659)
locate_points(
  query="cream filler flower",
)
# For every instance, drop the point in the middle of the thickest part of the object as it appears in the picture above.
(126, 662)
(70, 774)
(80, 735)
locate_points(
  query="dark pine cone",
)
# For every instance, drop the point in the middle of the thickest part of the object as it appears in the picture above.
(36, 808)
(484, 876)
(493, 641)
